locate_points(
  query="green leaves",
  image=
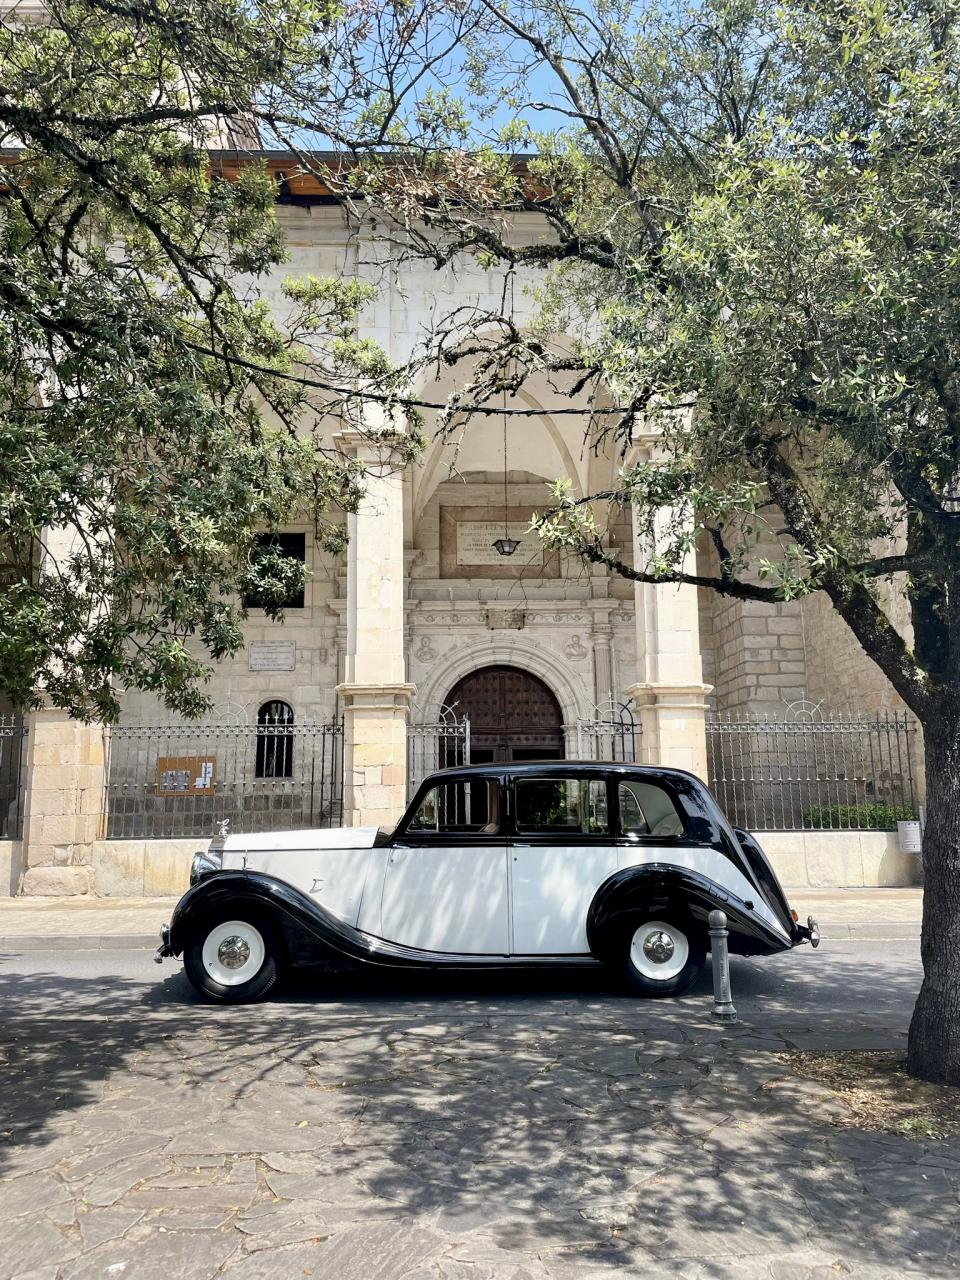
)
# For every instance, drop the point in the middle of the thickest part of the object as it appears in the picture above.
(154, 421)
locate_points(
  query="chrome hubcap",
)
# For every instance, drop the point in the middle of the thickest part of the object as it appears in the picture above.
(233, 952)
(658, 946)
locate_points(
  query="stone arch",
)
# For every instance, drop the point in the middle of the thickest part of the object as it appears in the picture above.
(430, 471)
(510, 649)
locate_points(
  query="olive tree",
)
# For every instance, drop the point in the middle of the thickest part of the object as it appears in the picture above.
(156, 413)
(752, 231)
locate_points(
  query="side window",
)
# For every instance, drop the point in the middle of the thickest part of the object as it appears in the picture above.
(469, 807)
(562, 806)
(647, 810)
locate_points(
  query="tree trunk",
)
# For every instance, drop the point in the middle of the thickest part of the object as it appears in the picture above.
(933, 1051)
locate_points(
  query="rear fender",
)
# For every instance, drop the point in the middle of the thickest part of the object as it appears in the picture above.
(658, 890)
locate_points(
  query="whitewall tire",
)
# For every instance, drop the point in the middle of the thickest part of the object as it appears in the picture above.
(233, 960)
(663, 957)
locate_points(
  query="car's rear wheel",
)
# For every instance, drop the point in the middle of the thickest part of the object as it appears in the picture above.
(234, 960)
(663, 957)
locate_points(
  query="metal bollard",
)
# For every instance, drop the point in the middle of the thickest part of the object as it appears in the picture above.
(723, 1009)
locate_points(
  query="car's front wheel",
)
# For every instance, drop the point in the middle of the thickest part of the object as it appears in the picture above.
(663, 957)
(234, 960)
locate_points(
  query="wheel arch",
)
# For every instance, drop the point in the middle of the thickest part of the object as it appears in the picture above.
(654, 891)
(659, 890)
(214, 897)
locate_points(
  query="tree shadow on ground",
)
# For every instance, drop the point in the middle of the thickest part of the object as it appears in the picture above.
(535, 1115)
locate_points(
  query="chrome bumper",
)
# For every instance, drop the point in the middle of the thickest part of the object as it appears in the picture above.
(164, 948)
(810, 932)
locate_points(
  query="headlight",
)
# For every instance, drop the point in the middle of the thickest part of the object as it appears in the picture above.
(204, 863)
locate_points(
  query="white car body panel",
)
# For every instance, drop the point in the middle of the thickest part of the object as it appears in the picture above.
(522, 899)
(553, 886)
(329, 866)
(315, 838)
(444, 898)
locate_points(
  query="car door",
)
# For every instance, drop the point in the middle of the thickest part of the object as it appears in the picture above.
(445, 884)
(561, 850)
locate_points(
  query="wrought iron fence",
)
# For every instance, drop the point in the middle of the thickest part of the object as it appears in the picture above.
(810, 770)
(611, 733)
(13, 737)
(441, 744)
(167, 780)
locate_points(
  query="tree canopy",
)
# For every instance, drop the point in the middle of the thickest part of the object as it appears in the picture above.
(155, 418)
(751, 236)
(754, 245)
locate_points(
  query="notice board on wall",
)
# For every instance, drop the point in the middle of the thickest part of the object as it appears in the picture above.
(186, 775)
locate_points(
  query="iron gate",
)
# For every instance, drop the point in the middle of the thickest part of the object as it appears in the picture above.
(439, 744)
(611, 733)
(13, 736)
(182, 779)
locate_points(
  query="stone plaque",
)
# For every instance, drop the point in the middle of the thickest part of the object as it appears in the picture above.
(467, 535)
(281, 655)
(475, 539)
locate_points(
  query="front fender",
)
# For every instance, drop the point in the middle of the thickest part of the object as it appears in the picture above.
(311, 932)
(294, 912)
(659, 889)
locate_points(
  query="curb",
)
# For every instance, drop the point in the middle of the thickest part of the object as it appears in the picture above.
(80, 942)
(872, 932)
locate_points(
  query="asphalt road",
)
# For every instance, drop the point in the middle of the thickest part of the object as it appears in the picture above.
(541, 1128)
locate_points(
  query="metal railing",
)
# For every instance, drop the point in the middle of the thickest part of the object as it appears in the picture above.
(813, 770)
(612, 733)
(168, 780)
(441, 744)
(13, 737)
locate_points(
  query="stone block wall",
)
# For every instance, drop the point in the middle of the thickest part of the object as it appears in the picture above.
(142, 868)
(838, 670)
(839, 859)
(754, 653)
(237, 690)
(63, 802)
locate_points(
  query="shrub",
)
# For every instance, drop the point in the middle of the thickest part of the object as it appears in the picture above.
(874, 815)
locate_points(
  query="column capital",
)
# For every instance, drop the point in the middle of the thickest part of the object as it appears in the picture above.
(375, 697)
(385, 444)
(648, 693)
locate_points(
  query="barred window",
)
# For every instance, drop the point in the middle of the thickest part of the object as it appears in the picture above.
(275, 740)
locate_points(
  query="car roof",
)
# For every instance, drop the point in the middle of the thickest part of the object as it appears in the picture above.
(584, 767)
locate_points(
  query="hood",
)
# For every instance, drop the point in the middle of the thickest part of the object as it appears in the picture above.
(320, 838)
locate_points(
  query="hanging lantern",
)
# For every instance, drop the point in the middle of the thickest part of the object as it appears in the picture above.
(506, 545)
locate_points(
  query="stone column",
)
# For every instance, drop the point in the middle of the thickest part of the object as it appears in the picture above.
(374, 693)
(64, 802)
(669, 694)
(601, 634)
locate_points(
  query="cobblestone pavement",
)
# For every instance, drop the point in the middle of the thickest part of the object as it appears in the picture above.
(515, 1129)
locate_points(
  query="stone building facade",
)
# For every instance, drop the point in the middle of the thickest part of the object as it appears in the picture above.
(421, 606)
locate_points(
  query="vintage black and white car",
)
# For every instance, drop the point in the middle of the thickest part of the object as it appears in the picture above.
(532, 864)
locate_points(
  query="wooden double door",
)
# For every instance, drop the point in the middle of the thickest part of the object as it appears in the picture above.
(513, 715)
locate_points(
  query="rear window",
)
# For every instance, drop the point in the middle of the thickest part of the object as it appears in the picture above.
(647, 810)
(562, 806)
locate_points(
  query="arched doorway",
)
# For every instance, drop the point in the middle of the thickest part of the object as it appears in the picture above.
(513, 715)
